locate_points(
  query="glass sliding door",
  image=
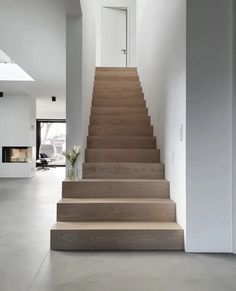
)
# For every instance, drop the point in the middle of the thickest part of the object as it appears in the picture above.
(51, 141)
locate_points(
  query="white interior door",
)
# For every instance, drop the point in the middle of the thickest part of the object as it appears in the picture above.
(114, 37)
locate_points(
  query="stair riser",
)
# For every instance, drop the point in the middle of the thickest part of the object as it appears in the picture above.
(119, 171)
(118, 78)
(115, 69)
(118, 91)
(82, 212)
(112, 189)
(121, 142)
(119, 111)
(117, 131)
(118, 95)
(108, 85)
(109, 120)
(118, 83)
(122, 156)
(75, 240)
(116, 73)
(109, 111)
(118, 103)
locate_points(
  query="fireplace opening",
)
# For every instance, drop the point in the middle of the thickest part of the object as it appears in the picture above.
(15, 154)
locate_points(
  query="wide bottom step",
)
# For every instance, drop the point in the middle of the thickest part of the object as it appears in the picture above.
(74, 236)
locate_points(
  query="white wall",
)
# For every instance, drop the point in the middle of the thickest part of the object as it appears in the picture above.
(81, 52)
(209, 126)
(74, 81)
(131, 45)
(88, 65)
(46, 109)
(17, 128)
(33, 34)
(161, 59)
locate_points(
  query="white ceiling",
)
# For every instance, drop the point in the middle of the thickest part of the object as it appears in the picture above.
(33, 34)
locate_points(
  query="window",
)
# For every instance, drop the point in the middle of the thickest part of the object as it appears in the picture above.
(51, 140)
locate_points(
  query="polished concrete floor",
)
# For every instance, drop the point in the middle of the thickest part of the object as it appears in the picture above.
(28, 210)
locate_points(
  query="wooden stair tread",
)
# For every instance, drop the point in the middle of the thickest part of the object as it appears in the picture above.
(115, 188)
(134, 102)
(118, 95)
(123, 201)
(130, 126)
(117, 209)
(124, 151)
(117, 181)
(126, 164)
(137, 137)
(120, 120)
(117, 83)
(123, 170)
(116, 225)
(114, 200)
(112, 73)
(125, 69)
(118, 111)
(122, 155)
(116, 236)
(124, 136)
(116, 130)
(117, 77)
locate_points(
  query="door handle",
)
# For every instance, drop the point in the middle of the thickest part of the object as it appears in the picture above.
(124, 51)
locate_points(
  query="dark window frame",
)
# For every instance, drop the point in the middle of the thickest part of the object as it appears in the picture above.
(38, 136)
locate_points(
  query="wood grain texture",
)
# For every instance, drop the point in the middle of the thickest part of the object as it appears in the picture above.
(116, 209)
(109, 130)
(115, 73)
(116, 69)
(118, 95)
(122, 155)
(131, 102)
(117, 85)
(115, 189)
(126, 142)
(117, 236)
(117, 77)
(123, 201)
(120, 120)
(119, 111)
(123, 171)
(118, 90)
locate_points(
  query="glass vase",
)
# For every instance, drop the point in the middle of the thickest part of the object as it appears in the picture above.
(72, 173)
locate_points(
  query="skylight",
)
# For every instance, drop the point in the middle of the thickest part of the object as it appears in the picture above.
(9, 71)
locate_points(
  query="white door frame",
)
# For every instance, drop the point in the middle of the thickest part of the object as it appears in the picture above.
(99, 33)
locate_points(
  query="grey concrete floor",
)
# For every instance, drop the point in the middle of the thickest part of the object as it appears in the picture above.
(28, 210)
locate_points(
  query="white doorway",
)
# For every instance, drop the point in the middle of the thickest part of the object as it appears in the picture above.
(114, 37)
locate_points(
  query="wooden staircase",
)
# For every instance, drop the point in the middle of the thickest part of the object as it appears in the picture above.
(122, 202)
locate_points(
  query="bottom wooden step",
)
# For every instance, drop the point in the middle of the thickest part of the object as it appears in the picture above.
(72, 236)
